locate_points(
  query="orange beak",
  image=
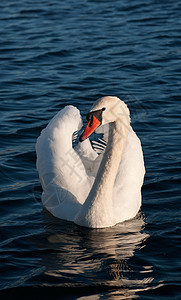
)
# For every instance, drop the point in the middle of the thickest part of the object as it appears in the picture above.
(90, 128)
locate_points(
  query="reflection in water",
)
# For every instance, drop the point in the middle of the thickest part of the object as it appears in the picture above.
(95, 257)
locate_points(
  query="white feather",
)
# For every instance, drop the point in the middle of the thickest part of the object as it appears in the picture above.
(67, 174)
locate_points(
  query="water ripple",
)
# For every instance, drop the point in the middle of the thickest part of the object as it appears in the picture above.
(54, 53)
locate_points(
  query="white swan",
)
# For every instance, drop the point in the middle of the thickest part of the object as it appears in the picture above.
(79, 185)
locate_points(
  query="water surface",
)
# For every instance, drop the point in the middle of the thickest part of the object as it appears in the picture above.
(54, 53)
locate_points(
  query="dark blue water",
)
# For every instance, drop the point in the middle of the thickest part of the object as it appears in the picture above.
(54, 53)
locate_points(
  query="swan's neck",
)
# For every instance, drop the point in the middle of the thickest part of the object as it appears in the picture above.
(104, 182)
(97, 209)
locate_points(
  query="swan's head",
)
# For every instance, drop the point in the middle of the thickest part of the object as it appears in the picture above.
(105, 110)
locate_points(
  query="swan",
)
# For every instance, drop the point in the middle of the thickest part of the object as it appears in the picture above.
(92, 190)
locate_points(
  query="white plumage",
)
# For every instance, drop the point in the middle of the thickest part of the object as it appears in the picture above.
(81, 186)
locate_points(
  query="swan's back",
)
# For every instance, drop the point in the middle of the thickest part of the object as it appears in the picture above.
(129, 179)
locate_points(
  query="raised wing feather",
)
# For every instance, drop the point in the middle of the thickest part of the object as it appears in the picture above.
(62, 173)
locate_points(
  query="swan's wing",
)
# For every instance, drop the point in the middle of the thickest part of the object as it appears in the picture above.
(129, 179)
(104, 129)
(75, 137)
(99, 146)
(91, 151)
(88, 157)
(62, 173)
